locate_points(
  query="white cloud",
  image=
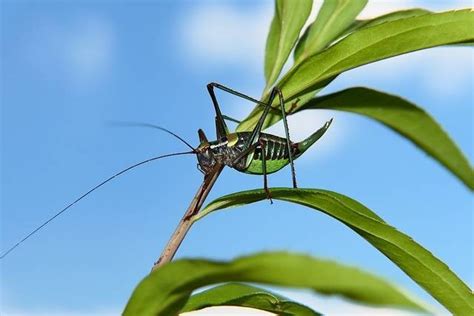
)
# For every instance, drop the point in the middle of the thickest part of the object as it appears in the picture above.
(220, 34)
(376, 8)
(89, 48)
(227, 310)
(379, 7)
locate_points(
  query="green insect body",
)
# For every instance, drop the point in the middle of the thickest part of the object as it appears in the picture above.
(276, 152)
(275, 148)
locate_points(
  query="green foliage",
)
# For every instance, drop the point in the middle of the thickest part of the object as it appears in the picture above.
(289, 18)
(397, 15)
(375, 43)
(333, 18)
(368, 45)
(238, 294)
(404, 118)
(417, 262)
(166, 290)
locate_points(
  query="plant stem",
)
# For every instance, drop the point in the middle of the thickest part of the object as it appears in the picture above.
(185, 224)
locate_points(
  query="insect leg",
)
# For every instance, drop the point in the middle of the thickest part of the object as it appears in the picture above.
(231, 91)
(221, 126)
(236, 93)
(287, 134)
(258, 128)
(228, 118)
(264, 169)
(253, 140)
(198, 166)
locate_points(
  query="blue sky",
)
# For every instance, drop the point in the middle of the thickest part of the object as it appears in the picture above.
(68, 68)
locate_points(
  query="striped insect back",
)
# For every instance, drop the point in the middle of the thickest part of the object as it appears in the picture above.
(276, 156)
(275, 148)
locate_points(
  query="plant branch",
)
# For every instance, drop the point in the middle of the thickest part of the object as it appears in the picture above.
(186, 222)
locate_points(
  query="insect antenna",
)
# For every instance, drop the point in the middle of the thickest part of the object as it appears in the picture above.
(140, 124)
(3, 255)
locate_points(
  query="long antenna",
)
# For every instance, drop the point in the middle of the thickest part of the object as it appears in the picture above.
(87, 193)
(140, 124)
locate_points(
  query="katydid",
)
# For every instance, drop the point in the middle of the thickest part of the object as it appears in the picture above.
(252, 152)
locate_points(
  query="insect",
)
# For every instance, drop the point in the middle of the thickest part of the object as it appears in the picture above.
(252, 152)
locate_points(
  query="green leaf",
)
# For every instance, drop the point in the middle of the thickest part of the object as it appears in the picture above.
(166, 290)
(417, 262)
(368, 45)
(381, 41)
(404, 118)
(237, 294)
(285, 28)
(392, 16)
(333, 18)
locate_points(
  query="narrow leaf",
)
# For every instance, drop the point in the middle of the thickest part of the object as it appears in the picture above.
(417, 262)
(333, 18)
(404, 118)
(237, 294)
(392, 16)
(166, 290)
(285, 28)
(379, 42)
(368, 45)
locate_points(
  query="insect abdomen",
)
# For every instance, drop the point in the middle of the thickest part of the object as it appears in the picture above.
(275, 149)
(276, 155)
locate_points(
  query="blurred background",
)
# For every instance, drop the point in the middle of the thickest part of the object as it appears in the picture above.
(68, 68)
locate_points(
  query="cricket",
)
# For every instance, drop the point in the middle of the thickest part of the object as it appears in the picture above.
(252, 152)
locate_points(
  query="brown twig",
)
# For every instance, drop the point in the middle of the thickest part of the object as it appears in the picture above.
(186, 222)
